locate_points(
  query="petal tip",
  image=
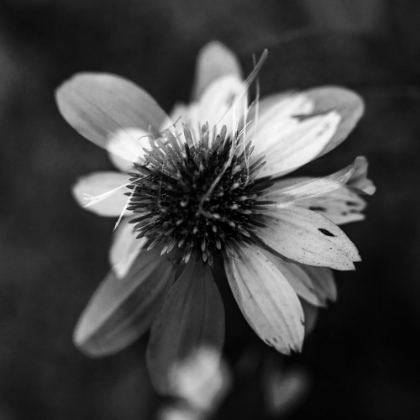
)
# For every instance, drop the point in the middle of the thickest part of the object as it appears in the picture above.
(85, 343)
(82, 343)
(296, 347)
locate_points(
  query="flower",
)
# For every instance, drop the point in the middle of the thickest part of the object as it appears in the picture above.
(203, 191)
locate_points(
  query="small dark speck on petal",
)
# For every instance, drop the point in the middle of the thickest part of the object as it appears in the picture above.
(304, 117)
(326, 232)
(317, 208)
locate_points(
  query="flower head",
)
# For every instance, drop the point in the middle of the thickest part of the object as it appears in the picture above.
(203, 190)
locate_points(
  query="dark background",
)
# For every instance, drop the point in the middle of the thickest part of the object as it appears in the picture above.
(362, 360)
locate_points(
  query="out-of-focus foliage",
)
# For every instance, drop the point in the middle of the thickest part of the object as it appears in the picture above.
(362, 357)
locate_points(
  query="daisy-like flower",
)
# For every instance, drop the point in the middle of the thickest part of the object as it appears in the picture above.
(202, 193)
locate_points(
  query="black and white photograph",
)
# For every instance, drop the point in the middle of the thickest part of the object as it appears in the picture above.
(209, 209)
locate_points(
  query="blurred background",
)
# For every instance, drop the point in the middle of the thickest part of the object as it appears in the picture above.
(361, 361)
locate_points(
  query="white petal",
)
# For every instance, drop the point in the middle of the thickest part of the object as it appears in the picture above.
(298, 279)
(290, 143)
(128, 142)
(102, 192)
(359, 180)
(125, 247)
(278, 107)
(348, 104)
(100, 106)
(177, 117)
(314, 284)
(309, 238)
(215, 60)
(295, 190)
(266, 299)
(329, 195)
(268, 118)
(223, 103)
(340, 206)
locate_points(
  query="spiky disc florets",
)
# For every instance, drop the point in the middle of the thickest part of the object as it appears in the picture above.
(196, 196)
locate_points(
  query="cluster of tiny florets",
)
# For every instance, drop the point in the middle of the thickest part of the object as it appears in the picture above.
(197, 196)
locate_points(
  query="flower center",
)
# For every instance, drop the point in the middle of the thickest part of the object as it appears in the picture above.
(197, 196)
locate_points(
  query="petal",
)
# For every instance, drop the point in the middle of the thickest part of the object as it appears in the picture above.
(359, 180)
(123, 309)
(177, 117)
(191, 318)
(290, 143)
(102, 192)
(340, 206)
(266, 299)
(282, 106)
(214, 60)
(298, 279)
(273, 114)
(311, 314)
(274, 118)
(328, 195)
(294, 190)
(223, 103)
(348, 104)
(128, 142)
(307, 237)
(101, 106)
(314, 284)
(125, 248)
(322, 279)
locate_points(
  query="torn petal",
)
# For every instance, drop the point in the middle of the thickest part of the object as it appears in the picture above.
(274, 117)
(266, 298)
(348, 104)
(329, 196)
(278, 107)
(293, 191)
(287, 144)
